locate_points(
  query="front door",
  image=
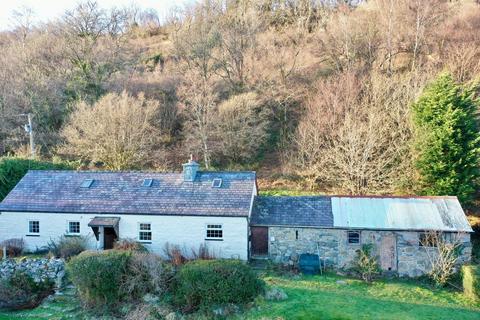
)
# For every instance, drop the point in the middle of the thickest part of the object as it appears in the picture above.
(259, 240)
(109, 238)
(388, 253)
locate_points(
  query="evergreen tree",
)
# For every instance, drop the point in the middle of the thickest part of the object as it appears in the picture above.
(447, 142)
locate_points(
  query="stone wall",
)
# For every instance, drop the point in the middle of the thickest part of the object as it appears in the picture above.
(39, 269)
(286, 244)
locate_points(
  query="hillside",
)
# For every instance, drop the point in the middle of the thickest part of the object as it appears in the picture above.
(313, 97)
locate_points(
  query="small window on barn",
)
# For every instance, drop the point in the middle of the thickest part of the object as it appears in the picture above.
(214, 232)
(74, 227)
(145, 232)
(87, 183)
(217, 183)
(34, 226)
(354, 237)
(147, 182)
(428, 239)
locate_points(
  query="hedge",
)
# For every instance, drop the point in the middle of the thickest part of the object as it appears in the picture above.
(99, 275)
(203, 284)
(13, 169)
(471, 281)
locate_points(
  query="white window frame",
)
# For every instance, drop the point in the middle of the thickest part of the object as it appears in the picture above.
(140, 230)
(79, 227)
(207, 228)
(28, 226)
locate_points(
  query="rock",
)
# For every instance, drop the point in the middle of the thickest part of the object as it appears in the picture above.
(173, 316)
(150, 298)
(275, 294)
(226, 310)
(341, 282)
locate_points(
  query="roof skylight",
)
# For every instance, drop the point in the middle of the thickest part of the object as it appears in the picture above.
(217, 183)
(87, 183)
(147, 182)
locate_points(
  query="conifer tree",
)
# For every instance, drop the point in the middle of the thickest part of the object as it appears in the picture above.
(447, 142)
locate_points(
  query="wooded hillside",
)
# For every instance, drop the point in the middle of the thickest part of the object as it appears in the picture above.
(376, 98)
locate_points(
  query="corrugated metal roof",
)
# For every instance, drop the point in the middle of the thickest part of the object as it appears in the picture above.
(399, 213)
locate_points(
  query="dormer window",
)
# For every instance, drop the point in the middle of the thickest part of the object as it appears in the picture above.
(147, 183)
(87, 183)
(216, 183)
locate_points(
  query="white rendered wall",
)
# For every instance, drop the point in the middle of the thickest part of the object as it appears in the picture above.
(186, 231)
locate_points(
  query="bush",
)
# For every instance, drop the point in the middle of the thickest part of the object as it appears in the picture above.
(204, 283)
(20, 291)
(98, 276)
(14, 247)
(147, 273)
(365, 264)
(175, 254)
(471, 281)
(67, 246)
(130, 245)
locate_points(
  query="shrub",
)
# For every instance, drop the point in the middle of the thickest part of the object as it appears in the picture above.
(203, 253)
(174, 254)
(365, 264)
(20, 291)
(471, 281)
(67, 246)
(98, 276)
(204, 283)
(147, 273)
(14, 246)
(130, 245)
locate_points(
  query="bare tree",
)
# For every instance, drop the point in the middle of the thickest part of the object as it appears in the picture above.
(354, 138)
(117, 131)
(242, 128)
(195, 43)
(443, 251)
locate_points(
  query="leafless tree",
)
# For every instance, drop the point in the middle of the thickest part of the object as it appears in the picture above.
(443, 251)
(117, 131)
(242, 128)
(355, 134)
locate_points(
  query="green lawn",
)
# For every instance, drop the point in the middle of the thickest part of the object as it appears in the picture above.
(323, 298)
(317, 298)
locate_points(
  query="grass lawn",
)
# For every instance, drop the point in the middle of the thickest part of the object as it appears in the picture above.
(317, 297)
(323, 298)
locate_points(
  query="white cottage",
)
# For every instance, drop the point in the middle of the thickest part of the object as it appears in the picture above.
(223, 211)
(186, 209)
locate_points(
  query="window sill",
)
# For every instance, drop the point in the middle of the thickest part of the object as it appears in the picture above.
(32, 235)
(144, 242)
(213, 239)
(72, 235)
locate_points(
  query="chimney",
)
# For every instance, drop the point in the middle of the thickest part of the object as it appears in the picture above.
(190, 170)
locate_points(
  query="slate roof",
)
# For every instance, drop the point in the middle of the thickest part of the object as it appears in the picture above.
(362, 212)
(123, 193)
(305, 211)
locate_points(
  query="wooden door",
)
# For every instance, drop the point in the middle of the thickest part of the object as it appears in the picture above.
(109, 238)
(388, 253)
(259, 240)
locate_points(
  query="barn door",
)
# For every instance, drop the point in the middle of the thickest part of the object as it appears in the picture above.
(388, 253)
(259, 240)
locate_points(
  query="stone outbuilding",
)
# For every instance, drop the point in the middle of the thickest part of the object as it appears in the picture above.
(335, 227)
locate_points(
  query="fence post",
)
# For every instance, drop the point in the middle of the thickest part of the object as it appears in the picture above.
(4, 252)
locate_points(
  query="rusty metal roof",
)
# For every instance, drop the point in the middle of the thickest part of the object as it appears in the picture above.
(399, 213)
